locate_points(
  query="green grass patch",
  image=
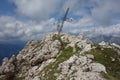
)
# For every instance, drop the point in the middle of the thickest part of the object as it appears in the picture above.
(109, 76)
(77, 48)
(105, 56)
(53, 67)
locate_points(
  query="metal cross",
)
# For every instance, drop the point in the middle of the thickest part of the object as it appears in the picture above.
(60, 26)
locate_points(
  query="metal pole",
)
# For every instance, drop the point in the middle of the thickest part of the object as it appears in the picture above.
(64, 19)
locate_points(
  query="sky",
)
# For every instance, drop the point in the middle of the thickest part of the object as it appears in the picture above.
(23, 20)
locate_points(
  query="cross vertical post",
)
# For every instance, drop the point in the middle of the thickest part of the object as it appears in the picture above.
(60, 26)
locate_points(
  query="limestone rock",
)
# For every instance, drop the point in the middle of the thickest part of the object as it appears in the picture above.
(36, 78)
(104, 44)
(8, 68)
(44, 59)
(97, 67)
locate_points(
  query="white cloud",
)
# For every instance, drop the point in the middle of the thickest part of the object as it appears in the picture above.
(78, 26)
(87, 27)
(85, 13)
(12, 29)
(111, 30)
(103, 12)
(106, 11)
(79, 7)
(36, 8)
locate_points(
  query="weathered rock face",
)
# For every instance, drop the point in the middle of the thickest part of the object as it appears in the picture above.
(81, 68)
(57, 58)
(7, 69)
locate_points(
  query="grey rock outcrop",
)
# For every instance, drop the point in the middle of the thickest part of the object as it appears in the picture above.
(44, 60)
(81, 68)
(7, 70)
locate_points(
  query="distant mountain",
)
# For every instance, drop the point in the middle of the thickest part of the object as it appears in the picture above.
(99, 38)
(7, 50)
(110, 39)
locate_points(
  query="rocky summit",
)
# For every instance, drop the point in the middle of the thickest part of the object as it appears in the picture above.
(64, 57)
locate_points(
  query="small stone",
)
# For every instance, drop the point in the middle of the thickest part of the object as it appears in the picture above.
(90, 56)
(113, 59)
(36, 78)
(97, 67)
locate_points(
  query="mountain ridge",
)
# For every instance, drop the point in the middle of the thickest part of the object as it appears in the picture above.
(64, 57)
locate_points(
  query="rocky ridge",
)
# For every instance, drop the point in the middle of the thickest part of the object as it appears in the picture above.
(67, 57)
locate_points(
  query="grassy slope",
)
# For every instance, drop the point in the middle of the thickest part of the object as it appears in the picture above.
(102, 55)
(105, 56)
(52, 67)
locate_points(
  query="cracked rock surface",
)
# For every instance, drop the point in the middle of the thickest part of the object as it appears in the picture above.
(58, 58)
